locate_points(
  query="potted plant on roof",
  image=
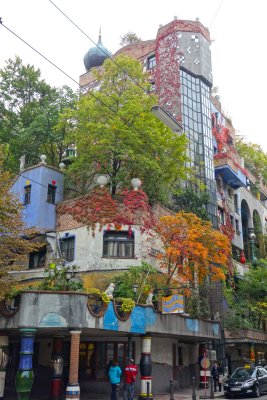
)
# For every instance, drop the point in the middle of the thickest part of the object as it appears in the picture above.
(97, 302)
(123, 307)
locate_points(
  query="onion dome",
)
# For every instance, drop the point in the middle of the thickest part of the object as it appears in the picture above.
(96, 55)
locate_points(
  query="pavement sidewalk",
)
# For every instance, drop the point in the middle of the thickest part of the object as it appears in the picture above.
(183, 394)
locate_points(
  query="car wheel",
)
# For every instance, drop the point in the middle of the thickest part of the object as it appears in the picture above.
(256, 391)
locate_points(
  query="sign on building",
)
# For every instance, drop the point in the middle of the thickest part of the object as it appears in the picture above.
(173, 304)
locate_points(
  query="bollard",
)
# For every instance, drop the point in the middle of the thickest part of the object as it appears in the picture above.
(117, 392)
(147, 389)
(194, 397)
(171, 389)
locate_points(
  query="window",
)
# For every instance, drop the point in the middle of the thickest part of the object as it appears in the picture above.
(151, 62)
(220, 216)
(51, 194)
(232, 220)
(237, 226)
(67, 248)
(236, 203)
(37, 259)
(118, 244)
(27, 194)
(180, 355)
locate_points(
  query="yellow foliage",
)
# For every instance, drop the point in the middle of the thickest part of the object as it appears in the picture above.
(193, 250)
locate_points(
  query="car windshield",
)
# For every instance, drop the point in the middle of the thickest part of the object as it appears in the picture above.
(244, 373)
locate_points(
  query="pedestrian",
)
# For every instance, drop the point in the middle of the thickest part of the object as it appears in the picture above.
(216, 373)
(114, 378)
(130, 373)
(109, 364)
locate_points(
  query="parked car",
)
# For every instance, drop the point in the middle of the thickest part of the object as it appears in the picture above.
(246, 380)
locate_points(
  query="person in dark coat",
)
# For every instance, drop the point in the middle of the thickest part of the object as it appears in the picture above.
(216, 373)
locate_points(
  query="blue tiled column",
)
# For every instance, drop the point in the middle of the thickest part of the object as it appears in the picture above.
(24, 377)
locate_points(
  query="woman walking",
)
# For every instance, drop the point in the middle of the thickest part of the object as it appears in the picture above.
(114, 378)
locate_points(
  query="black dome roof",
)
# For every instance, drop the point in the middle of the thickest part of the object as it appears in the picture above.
(96, 55)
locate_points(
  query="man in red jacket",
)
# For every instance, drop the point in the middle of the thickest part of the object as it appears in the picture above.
(130, 373)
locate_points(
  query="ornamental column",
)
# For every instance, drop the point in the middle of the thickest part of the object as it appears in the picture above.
(73, 388)
(24, 376)
(3, 363)
(146, 369)
(57, 368)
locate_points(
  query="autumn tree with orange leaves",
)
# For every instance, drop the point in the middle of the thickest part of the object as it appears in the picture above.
(192, 249)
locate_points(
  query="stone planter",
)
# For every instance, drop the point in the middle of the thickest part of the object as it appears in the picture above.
(9, 307)
(96, 306)
(121, 315)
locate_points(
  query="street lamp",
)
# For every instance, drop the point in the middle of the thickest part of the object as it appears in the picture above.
(252, 238)
(135, 287)
(167, 118)
(68, 278)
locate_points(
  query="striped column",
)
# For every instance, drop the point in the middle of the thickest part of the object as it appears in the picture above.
(146, 369)
(73, 388)
(24, 376)
(3, 363)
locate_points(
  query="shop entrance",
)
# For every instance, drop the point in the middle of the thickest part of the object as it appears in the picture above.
(95, 356)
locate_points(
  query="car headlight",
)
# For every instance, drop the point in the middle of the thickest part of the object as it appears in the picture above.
(247, 384)
(225, 384)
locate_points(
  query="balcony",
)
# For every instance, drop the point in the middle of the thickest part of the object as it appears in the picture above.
(245, 336)
(230, 171)
(50, 311)
(241, 269)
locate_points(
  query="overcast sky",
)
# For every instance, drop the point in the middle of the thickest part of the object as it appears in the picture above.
(236, 26)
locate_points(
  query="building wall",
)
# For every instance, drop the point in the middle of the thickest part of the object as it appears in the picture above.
(39, 212)
(88, 253)
(254, 204)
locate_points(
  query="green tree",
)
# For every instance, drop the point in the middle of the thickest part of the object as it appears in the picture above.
(255, 158)
(145, 277)
(190, 201)
(250, 304)
(253, 286)
(116, 134)
(29, 112)
(129, 38)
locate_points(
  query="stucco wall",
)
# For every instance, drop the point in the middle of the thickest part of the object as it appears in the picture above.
(88, 253)
(39, 212)
(254, 204)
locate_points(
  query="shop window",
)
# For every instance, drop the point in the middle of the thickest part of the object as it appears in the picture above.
(51, 194)
(67, 248)
(37, 259)
(151, 62)
(118, 245)
(27, 194)
(95, 357)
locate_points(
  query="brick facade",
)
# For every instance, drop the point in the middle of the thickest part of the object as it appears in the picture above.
(74, 357)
